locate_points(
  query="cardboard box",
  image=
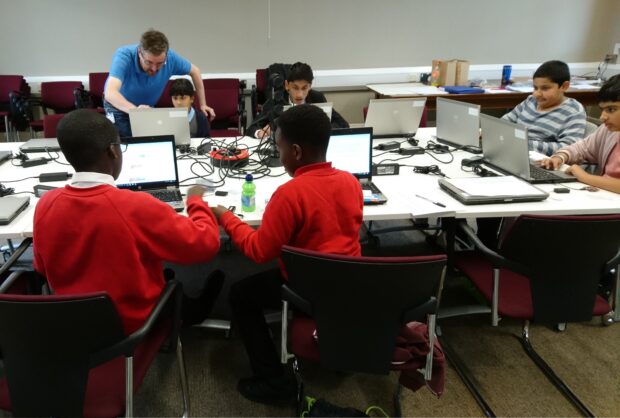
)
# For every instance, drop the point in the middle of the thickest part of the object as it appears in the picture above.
(452, 72)
(462, 73)
(447, 73)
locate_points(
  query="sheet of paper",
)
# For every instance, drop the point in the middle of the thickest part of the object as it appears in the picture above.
(495, 186)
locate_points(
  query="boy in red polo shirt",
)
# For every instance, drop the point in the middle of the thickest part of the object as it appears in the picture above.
(319, 209)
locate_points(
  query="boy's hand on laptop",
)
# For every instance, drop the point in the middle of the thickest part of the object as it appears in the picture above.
(196, 190)
(577, 171)
(208, 111)
(144, 107)
(218, 210)
(552, 163)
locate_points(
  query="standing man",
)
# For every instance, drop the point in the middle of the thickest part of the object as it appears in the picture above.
(138, 77)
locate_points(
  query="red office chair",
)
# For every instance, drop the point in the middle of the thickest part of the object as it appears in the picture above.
(535, 275)
(68, 355)
(49, 124)
(165, 100)
(21, 114)
(8, 83)
(358, 305)
(224, 96)
(96, 84)
(257, 95)
(58, 95)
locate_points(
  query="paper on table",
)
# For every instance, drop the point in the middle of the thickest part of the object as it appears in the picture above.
(521, 89)
(495, 186)
(420, 207)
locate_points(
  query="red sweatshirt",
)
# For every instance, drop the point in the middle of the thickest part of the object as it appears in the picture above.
(106, 239)
(319, 209)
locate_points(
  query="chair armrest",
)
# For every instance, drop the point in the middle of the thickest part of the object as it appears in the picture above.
(421, 311)
(172, 293)
(300, 303)
(497, 260)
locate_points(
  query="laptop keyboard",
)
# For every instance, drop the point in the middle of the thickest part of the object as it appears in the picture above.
(539, 173)
(371, 186)
(167, 195)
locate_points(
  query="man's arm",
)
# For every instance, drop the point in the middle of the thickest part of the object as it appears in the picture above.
(114, 97)
(196, 76)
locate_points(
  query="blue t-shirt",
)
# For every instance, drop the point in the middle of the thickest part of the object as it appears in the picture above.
(137, 86)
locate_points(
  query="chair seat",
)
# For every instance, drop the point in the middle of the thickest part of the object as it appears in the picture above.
(515, 298)
(105, 391)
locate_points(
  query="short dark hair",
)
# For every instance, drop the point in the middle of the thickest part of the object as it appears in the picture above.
(556, 71)
(307, 126)
(300, 71)
(83, 136)
(181, 87)
(154, 42)
(610, 91)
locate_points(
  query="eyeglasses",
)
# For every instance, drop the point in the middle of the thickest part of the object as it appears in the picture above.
(150, 63)
(122, 145)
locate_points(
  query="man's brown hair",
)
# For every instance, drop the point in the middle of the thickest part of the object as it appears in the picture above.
(154, 42)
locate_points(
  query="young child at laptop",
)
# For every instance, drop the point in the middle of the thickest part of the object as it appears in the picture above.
(319, 209)
(182, 94)
(552, 120)
(602, 147)
(90, 236)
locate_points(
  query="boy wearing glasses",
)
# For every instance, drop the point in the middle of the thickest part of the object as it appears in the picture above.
(139, 75)
(90, 236)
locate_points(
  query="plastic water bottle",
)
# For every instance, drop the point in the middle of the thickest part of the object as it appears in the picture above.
(248, 194)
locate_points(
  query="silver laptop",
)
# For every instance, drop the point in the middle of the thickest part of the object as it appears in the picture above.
(161, 121)
(351, 150)
(458, 124)
(505, 148)
(326, 106)
(150, 165)
(4, 156)
(394, 117)
(40, 145)
(11, 206)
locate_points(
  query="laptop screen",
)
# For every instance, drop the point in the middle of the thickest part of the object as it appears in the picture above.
(504, 144)
(395, 117)
(148, 163)
(161, 121)
(351, 150)
(458, 123)
(326, 106)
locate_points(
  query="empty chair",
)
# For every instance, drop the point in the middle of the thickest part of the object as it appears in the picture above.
(96, 84)
(224, 96)
(58, 95)
(8, 83)
(68, 356)
(49, 124)
(536, 276)
(21, 114)
(355, 307)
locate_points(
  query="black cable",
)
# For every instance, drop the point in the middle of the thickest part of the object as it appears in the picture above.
(25, 178)
(428, 169)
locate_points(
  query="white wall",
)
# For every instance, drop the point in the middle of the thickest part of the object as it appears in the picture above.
(74, 37)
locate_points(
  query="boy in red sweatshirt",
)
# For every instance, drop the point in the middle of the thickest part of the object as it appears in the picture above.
(90, 236)
(319, 209)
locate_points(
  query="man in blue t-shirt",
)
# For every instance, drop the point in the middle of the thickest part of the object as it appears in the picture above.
(138, 77)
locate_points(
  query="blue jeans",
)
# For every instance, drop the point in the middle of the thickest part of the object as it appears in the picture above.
(119, 118)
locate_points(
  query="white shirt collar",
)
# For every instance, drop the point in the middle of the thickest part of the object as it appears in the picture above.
(86, 179)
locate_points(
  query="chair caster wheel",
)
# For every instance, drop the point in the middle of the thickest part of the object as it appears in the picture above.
(607, 319)
(560, 327)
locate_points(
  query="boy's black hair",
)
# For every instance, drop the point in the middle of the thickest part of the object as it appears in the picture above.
(610, 91)
(300, 71)
(556, 71)
(83, 136)
(307, 126)
(181, 87)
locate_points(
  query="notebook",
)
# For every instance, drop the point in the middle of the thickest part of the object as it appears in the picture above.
(505, 148)
(458, 124)
(161, 121)
(394, 117)
(150, 165)
(488, 190)
(351, 150)
(326, 106)
(40, 145)
(11, 206)
(4, 156)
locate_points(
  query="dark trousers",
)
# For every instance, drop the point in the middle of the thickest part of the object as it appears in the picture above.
(119, 118)
(248, 299)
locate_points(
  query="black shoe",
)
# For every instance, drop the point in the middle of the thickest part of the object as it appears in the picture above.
(197, 310)
(274, 390)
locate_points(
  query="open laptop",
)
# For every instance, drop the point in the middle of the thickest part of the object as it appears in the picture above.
(458, 124)
(394, 117)
(161, 121)
(326, 106)
(505, 148)
(351, 150)
(150, 165)
(40, 145)
(11, 206)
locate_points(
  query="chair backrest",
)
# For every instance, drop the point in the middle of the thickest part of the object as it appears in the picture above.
(96, 84)
(565, 258)
(50, 122)
(9, 83)
(58, 95)
(360, 303)
(222, 95)
(46, 343)
(20, 110)
(165, 100)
